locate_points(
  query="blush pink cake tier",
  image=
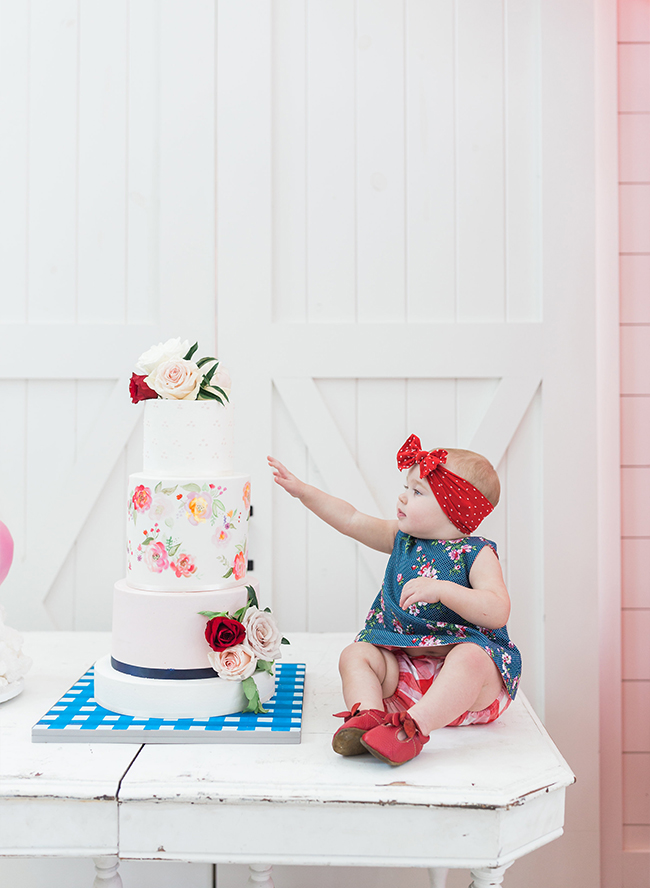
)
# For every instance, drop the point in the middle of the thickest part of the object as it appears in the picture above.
(187, 534)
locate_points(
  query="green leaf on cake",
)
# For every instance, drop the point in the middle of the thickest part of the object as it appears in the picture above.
(203, 361)
(192, 488)
(158, 487)
(169, 522)
(147, 541)
(207, 379)
(188, 356)
(206, 395)
(172, 550)
(252, 597)
(252, 695)
(228, 574)
(265, 666)
(285, 640)
(169, 490)
(216, 505)
(221, 392)
(212, 614)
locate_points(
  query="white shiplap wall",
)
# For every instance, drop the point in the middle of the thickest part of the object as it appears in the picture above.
(388, 190)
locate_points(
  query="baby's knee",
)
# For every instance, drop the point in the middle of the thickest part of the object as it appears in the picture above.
(355, 653)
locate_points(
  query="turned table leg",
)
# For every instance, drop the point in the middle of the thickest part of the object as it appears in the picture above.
(438, 876)
(260, 875)
(489, 876)
(106, 872)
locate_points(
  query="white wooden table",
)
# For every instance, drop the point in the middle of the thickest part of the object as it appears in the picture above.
(476, 798)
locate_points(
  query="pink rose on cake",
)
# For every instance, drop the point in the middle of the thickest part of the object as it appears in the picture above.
(235, 663)
(220, 537)
(161, 506)
(176, 380)
(156, 558)
(262, 633)
(199, 508)
(141, 498)
(239, 566)
(184, 566)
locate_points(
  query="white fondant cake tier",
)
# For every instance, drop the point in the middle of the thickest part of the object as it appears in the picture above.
(187, 438)
(187, 533)
(156, 631)
(162, 698)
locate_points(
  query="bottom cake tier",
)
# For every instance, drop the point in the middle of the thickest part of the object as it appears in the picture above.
(169, 698)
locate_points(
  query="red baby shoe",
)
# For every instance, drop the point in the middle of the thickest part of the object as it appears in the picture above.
(384, 743)
(347, 740)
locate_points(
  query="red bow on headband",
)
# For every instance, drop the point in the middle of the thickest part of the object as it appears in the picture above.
(462, 503)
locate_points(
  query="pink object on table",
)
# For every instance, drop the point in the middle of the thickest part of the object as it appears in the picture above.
(6, 551)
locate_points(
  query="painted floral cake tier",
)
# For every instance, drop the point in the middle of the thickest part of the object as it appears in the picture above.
(187, 534)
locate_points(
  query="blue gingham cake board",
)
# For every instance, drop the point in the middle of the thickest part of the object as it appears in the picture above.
(77, 718)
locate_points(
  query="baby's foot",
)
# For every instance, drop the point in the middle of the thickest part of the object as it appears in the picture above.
(396, 741)
(347, 740)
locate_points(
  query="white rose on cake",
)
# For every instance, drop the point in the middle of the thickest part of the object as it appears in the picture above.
(176, 380)
(262, 633)
(172, 350)
(235, 663)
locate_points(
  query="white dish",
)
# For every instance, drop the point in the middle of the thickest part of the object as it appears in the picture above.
(11, 690)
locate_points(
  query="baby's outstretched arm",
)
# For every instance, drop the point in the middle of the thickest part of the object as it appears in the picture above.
(376, 533)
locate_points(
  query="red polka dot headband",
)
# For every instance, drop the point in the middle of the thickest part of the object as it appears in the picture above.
(462, 503)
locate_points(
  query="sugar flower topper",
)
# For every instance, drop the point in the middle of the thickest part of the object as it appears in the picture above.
(168, 370)
(244, 643)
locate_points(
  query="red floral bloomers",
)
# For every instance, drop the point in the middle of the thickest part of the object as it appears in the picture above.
(417, 674)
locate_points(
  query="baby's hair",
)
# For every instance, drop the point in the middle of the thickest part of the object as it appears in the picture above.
(476, 469)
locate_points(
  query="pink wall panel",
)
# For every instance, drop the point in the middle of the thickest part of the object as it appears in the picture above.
(635, 558)
(636, 650)
(634, 208)
(636, 778)
(634, 147)
(633, 20)
(635, 431)
(634, 77)
(636, 716)
(635, 502)
(635, 288)
(635, 360)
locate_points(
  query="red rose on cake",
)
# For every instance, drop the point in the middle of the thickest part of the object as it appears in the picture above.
(141, 498)
(184, 566)
(223, 632)
(239, 566)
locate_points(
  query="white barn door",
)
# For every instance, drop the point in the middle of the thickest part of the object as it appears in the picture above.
(106, 246)
(396, 222)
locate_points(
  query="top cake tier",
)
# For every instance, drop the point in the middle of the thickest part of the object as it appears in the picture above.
(188, 438)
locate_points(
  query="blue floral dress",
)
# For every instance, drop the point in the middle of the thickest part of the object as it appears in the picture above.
(429, 625)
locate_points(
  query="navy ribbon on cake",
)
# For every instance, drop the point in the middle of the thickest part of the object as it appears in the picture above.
(170, 674)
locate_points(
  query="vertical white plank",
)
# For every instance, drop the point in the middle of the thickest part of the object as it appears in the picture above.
(480, 160)
(14, 102)
(431, 412)
(430, 161)
(525, 546)
(102, 536)
(380, 160)
(53, 105)
(13, 502)
(331, 205)
(102, 162)
(187, 169)
(523, 162)
(50, 452)
(474, 398)
(288, 529)
(289, 162)
(142, 161)
(332, 560)
(244, 242)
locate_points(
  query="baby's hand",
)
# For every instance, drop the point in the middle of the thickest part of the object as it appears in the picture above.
(420, 589)
(284, 478)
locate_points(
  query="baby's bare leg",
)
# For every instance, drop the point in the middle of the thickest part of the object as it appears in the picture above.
(368, 675)
(468, 680)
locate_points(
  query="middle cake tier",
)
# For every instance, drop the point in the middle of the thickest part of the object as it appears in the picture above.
(187, 534)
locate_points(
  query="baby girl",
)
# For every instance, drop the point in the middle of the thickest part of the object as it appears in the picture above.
(435, 650)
